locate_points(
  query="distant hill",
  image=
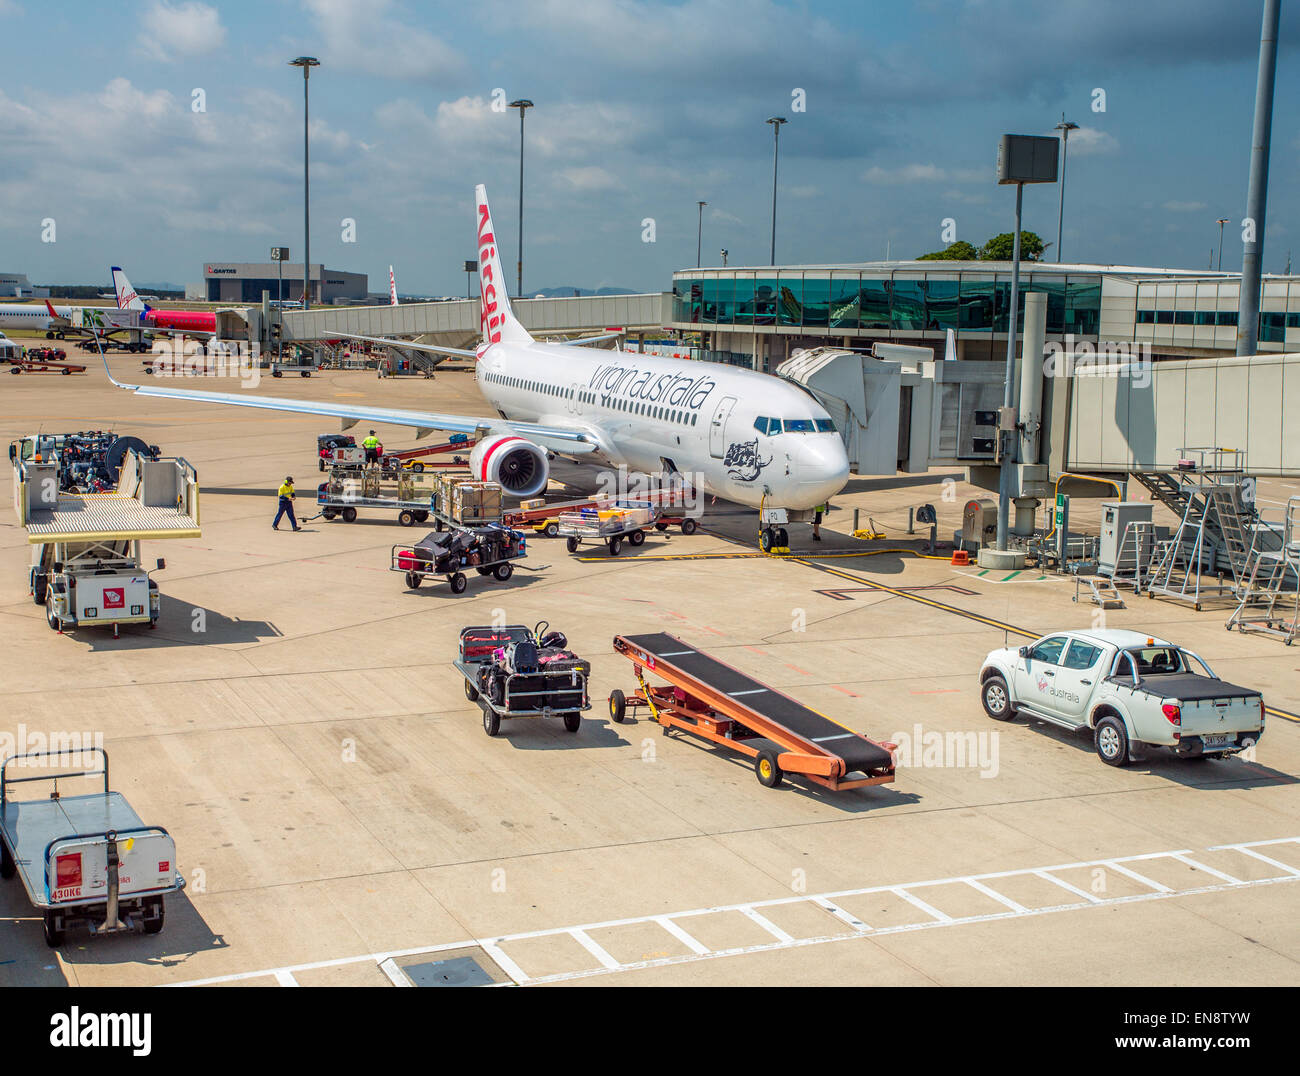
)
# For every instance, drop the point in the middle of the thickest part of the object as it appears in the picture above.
(570, 291)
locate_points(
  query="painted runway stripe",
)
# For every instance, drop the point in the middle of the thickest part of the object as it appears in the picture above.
(930, 917)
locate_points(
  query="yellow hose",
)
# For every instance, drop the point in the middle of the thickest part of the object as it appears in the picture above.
(1056, 489)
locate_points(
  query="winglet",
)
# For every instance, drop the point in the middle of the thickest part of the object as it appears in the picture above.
(497, 319)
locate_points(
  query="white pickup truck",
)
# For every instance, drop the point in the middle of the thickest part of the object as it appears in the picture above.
(1132, 691)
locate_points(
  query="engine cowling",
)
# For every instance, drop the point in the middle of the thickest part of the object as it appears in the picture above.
(514, 463)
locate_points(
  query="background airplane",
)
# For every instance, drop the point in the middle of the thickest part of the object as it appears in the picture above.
(189, 322)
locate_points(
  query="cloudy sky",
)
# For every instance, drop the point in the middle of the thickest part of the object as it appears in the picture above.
(642, 108)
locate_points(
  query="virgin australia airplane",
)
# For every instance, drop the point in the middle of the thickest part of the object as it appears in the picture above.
(747, 437)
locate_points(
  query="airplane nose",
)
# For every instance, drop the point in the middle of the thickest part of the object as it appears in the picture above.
(824, 469)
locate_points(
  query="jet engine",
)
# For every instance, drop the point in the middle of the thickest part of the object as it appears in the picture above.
(517, 465)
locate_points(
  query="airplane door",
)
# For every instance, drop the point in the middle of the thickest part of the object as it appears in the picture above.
(718, 427)
(575, 401)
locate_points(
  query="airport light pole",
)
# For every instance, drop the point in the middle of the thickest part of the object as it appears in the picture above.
(1221, 222)
(523, 104)
(1021, 159)
(1065, 129)
(699, 233)
(724, 252)
(776, 122)
(1257, 193)
(306, 63)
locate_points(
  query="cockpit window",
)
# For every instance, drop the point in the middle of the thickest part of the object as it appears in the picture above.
(767, 425)
(825, 425)
(799, 425)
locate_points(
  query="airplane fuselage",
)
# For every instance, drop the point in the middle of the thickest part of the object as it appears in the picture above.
(741, 435)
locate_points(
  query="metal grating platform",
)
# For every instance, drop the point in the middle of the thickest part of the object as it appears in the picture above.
(107, 515)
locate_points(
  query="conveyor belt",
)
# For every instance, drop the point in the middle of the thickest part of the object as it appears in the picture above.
(857, 752)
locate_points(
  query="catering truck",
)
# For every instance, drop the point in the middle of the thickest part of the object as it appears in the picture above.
(87, 568)
(1132, 691)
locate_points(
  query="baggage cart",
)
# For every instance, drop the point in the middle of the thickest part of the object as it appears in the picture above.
(623, 521)
(87, 858)
(489, 551)
(511, 674)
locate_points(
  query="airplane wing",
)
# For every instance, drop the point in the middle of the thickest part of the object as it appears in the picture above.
(572, 442)
(438, 349)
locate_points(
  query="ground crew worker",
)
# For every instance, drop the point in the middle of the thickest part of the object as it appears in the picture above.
(820, 510)
(371, 445)
(286, 505)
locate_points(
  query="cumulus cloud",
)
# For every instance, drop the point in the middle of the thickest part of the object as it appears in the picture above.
(1092, 142)
(925, 173)
(364, 35)
(179, 31)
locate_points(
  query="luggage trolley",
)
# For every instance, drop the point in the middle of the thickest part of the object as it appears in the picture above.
(488, 550)
(723, 705)
(628, 520)
(86, 857)
(515, 671)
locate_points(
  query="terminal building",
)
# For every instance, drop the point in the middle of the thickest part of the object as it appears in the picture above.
(770, 311)
(243, 283)
(16, 285)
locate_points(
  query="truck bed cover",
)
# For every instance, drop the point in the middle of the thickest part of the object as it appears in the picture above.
(1192, 688)
(857, 752)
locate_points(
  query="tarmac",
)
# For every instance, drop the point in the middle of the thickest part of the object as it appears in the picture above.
(295, 722)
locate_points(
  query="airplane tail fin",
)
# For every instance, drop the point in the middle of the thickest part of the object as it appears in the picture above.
(127, 299)
(50, 307)
(498, 320)
(392, 287)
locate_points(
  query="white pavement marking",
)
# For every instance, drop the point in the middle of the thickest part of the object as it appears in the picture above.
(395, 974)
(984, 883)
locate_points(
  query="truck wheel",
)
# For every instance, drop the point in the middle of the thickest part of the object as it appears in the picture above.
(413, 580)
(7, 865)
(1111, 741)
(417, 467)
(54, 932)
(40, 588)
(768, 772)
(571, 544)
(329, 513)
(406, 518)
(552, 530)
(458, 582)
(322, 464)
(618, 706)
(636, 537)
(471, 692)
(483, 571)
(572, 721)
(349, 515)
(997, 699)
(491, 720)
(421, 516)
(615, 546)
(689, 526)
(53, 621)
(503, 571)
(661, 526)
(154, 913)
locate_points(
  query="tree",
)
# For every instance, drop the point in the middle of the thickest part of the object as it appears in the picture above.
(960, 251)
(999, 248)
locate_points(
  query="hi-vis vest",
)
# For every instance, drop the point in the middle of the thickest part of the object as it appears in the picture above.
(286, 490)
(370, 442)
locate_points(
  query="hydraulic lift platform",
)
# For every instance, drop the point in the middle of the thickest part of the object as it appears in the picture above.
(719, 703)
